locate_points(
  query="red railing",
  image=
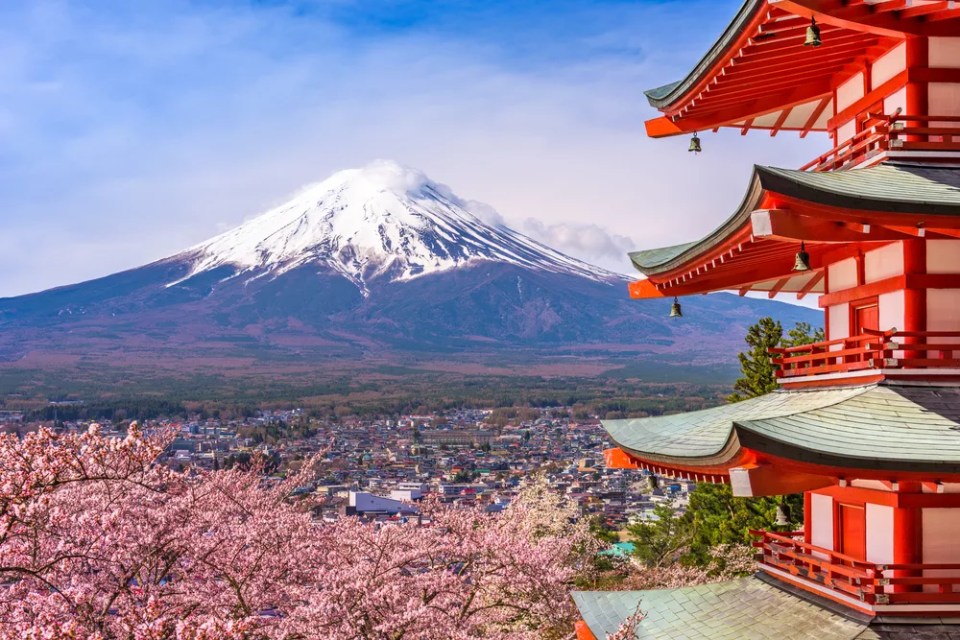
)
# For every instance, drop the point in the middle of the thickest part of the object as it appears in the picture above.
(871, 350)
(882, 133)
(870, 582)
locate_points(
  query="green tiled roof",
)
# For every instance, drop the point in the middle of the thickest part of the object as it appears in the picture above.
(743, 609)
(890, 426)
(889, 187)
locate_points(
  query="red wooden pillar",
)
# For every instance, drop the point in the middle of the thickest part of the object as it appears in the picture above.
(916, 92)
(907, 541)
(914, 299)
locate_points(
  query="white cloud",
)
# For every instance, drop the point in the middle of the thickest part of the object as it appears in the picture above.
(137, 132)
(589, 242)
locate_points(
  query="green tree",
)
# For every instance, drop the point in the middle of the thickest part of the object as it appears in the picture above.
(662, 540)
(718, 518)
(714, 516)
(757, 373)
(803, 333)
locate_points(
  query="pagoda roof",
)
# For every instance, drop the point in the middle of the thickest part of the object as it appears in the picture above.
(886, 187)
(743, 608)
(759, 74)
(889, 427)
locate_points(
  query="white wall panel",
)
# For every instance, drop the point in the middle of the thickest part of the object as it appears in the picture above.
(883, 263)
(821, 521)
(940, 545)
(944, 53)
(839, 324)
(896, 100)
(943, 98)
(842, 275)
(943, 256)
(943, 310)
(891, 310)
(879, 533)
(849, 92)
(846, 131)
(888, 65)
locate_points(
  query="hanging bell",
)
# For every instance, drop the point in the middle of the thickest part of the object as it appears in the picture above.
(783, 515)
(675, 311)
(695, 144)
(813, 34)
(802, 262)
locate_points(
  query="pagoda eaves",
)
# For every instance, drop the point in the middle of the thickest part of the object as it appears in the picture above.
(759, 74)
(833, 213)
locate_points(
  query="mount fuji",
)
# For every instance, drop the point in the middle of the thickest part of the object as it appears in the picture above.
(372, 266)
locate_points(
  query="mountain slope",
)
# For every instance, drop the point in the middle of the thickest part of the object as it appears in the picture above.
(372, 266)
(381, 220)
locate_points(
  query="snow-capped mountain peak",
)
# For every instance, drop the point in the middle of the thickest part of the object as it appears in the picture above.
(383, 220)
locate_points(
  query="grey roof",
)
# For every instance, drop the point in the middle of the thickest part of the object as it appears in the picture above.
(891, 426)
(741, 609)
(753, 608)
(889, 186)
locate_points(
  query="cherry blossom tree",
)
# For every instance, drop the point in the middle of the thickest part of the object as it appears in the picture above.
(98, 540)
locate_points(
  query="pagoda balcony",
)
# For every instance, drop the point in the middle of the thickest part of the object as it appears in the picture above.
(872, 354)
(869, 586)
(895, 137)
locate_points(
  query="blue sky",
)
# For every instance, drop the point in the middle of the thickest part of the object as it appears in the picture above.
(131, 130)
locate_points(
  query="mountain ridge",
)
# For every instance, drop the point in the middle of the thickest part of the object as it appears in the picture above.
(372, 266)
(384, 219)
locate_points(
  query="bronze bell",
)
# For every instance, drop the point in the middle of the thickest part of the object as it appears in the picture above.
(675, 311)
(783, 515)
(695, 144)
(813, 34)
(802, 262)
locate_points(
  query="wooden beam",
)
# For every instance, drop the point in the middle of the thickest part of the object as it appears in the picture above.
(781, 283)
(780, 120)
(765, 480)
(817, 112)
(811, 283)
(862, 17)
(867, 101)
(923, 10)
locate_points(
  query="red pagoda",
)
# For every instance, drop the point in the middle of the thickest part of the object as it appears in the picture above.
(867, 423)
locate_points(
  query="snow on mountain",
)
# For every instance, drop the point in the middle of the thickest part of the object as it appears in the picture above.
(384, 220)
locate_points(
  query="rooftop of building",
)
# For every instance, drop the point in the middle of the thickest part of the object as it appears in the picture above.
(751, 608)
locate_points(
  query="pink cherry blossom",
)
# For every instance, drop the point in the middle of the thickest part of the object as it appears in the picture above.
(98, 540)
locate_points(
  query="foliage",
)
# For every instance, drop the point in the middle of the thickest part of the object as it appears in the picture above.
(715, 519)
(718, 518)
(98, 541)
(661, 540)
(757, 373)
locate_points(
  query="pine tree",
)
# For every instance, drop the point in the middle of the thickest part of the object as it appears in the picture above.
(757, 373)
